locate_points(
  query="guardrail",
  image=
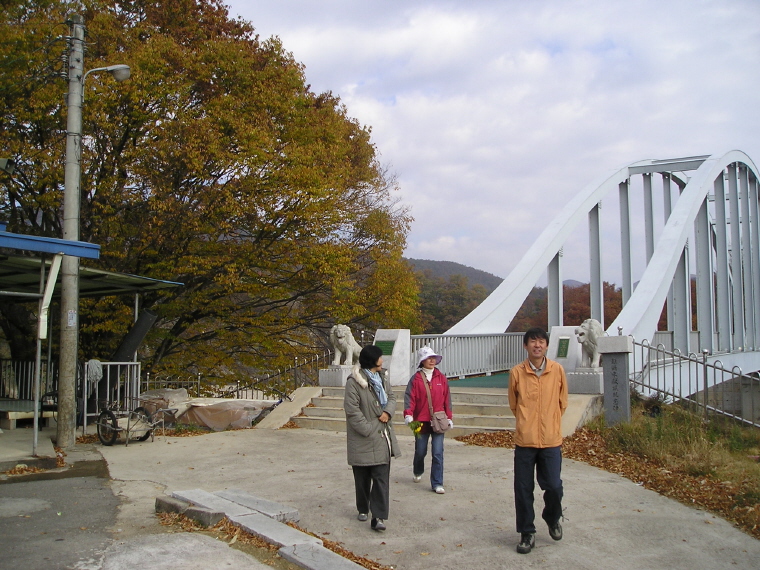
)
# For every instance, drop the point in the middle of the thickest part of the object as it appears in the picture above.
(691, 380)
(471, 354)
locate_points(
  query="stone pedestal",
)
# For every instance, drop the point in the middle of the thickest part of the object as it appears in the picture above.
(334, 375)
(586, 381)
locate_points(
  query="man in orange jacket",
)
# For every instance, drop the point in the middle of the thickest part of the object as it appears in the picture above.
(538, 398)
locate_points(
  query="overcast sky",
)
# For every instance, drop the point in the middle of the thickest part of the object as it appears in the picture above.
(492, 114)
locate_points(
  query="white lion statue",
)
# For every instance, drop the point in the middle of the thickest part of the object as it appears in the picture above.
(346, 347)
(587, 334)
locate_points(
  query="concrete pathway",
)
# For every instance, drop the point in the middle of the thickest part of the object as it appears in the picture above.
(610, 522)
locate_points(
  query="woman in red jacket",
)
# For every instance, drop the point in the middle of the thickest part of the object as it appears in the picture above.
(416, 408)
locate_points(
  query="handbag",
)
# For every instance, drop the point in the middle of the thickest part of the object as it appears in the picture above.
(439, 421)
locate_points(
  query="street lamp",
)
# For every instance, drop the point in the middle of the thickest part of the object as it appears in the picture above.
(67, 368)
(120, 72)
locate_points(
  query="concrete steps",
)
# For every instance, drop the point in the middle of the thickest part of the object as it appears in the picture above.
(475, 410)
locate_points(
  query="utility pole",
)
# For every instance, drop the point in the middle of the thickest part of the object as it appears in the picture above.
(67, 367)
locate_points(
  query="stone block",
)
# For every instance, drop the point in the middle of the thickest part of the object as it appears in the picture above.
(210, 501)
(586, 381)
(166, 504)
(204, 516)
(272, 531)
(334, 375)
(615, 344)
(315, 557)
(271, 509)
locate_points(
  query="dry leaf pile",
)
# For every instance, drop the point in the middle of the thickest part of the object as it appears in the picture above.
(22, 469)
(232, 534)
(723, 498)
(88, 438)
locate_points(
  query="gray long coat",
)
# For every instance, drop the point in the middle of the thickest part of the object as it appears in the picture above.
(366, 441)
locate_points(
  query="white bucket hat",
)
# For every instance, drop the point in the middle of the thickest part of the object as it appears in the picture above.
(426, 352)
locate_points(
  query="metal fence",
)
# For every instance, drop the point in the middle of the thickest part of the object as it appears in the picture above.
(98, 384)
(304, 372)
(691, 380)
(156, 382)
(17, 379)
(113, 385)
(471, 354)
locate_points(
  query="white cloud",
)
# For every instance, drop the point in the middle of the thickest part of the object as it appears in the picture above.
(494, 114)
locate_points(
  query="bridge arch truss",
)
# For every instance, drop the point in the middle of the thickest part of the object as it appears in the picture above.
(716, 212)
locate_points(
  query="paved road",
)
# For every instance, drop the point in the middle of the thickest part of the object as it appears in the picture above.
(610, 522)
(57, 521)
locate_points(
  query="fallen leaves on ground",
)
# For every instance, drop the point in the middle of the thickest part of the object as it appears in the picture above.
(704, 491)
(88, 438)
(22, 469)
(60, 455)
(290, 425)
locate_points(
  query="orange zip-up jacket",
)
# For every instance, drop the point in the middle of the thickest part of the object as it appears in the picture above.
(538, 404)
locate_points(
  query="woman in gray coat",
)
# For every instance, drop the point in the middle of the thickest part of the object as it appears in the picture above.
(369, 404)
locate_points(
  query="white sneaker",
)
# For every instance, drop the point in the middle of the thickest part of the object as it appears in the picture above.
(440, 490)
(417, 478)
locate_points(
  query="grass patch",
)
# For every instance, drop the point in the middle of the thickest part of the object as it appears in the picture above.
(682, 441)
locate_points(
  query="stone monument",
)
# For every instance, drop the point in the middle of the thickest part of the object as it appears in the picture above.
(588, 378)
(563, 348)
(346, 354)
(617, 393)
(395, 344)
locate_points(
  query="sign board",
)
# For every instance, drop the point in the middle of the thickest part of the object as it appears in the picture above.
(386, 346)
(562, 345)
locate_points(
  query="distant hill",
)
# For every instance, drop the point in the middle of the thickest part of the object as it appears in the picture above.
(445, 269)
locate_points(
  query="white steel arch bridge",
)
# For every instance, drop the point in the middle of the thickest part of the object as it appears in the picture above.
(716, 212)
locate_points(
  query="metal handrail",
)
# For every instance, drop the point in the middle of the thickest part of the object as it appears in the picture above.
(711, 387)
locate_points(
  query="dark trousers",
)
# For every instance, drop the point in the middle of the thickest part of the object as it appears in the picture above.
(372, 486)
(547, 464)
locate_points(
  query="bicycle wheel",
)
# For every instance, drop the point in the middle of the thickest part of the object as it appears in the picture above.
(107, 432)
(142, 417)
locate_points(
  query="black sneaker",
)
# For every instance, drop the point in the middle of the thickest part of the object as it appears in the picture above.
(527, 542)
(555, 531)
(377, 524)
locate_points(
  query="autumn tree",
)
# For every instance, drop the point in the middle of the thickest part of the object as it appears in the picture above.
(577, 303)
(576, 307)
(215, 165)
(446, 301)
(534, 312)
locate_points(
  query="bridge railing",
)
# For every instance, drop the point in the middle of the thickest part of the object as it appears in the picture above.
(471, 354)
(709, 388)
